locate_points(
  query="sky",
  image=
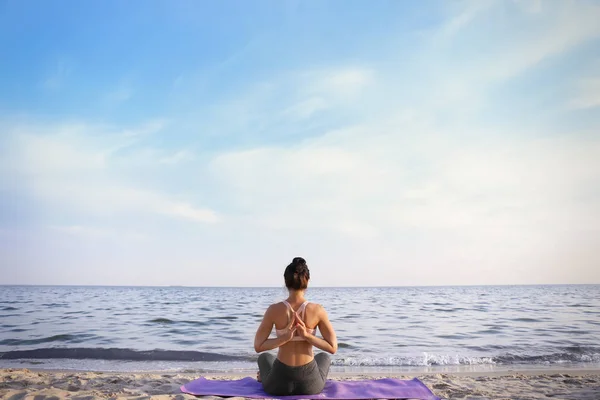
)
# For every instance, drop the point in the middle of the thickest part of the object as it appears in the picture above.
(390, 143)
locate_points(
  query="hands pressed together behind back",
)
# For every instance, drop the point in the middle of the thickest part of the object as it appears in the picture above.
(300, 326)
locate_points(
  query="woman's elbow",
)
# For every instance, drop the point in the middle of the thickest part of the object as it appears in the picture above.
(257, 347)
(334, 349)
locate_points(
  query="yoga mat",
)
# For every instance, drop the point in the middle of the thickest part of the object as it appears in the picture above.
(339, 390)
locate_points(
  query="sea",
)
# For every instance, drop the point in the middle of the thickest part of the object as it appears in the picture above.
(379, 329)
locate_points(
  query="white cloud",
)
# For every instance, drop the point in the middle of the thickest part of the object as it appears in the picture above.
(517, 38)
(79, 167)
(280, 104)
(95, 232)
(184, 210)
(82, 230)
(531, 6)
(392, 180)
(588, 94)
(177, 157)
(338, 83)
(576, 22)
(468, 11)
(348, 78)
(306, 108)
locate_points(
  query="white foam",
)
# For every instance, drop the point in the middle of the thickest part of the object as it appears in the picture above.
(426, 359)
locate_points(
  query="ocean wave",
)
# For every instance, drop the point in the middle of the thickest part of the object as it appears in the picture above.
(426, 359)
(167, 321)
(55, 338)
(161, 321)
(553, 358)
(572, 355)
(120, 354)
(54, 305)
(449, 309)
(576, 355)
(525, 320)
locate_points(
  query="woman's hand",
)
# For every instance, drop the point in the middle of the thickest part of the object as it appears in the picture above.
(300, 326)
(289, 335)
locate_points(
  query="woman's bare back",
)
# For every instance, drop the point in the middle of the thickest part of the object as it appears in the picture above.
(295, 353)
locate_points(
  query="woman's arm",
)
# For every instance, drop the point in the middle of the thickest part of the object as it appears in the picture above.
(262, 341)
(329, 341)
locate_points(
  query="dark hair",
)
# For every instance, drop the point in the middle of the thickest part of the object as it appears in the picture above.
(296, 274)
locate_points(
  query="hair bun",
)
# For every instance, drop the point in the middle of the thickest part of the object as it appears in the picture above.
(299, 261)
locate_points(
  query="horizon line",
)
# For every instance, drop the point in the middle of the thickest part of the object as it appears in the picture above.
(283, 287)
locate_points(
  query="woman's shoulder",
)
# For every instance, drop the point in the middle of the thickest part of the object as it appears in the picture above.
(314, 307)
(277, 306)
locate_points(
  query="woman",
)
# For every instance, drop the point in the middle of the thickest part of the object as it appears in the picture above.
(295, 371)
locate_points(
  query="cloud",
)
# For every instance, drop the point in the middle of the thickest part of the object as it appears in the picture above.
(306, 108)
(346, 81)
(588, 94)
(576, 22)
(369, 180)
(189, 212)
(277, 106)
(296, 188)
(518, 37)
(531, 6)
(95, 232)
(80, 167)
(468, 11)
(177, 157)
(337, 85)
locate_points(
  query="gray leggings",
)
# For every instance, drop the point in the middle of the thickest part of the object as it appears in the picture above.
(283, 380)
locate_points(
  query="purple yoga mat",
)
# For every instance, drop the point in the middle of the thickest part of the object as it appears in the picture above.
(339, 390)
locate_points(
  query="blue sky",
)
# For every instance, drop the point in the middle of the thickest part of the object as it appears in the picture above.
(388, 143)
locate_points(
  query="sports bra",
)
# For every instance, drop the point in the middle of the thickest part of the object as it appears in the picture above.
(301, 311)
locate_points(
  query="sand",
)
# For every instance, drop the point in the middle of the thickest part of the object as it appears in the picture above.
(46, 385)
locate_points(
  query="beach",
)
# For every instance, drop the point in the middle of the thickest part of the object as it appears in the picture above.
(574, 384)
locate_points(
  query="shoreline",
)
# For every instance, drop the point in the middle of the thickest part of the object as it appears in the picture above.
(338, 371)
(372, 372)
(563, 383)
